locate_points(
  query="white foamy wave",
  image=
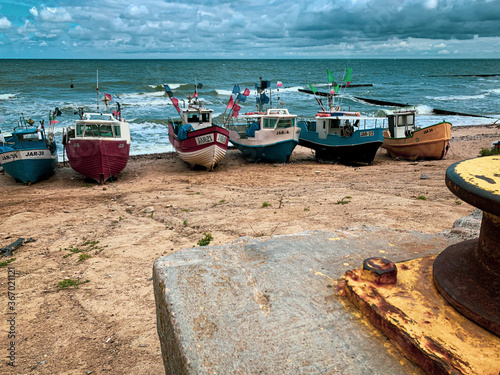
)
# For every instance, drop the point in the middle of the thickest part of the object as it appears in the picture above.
(423, 109)
(223, 92)
(493, 91)
(173, 86)
(7, 96)
(458, 97)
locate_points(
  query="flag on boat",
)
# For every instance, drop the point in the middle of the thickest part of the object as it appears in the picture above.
(199, 86)
(236, 113)
(246, 92)
(236, 107)
(331, 76)
(313, 88)
(347, 76)
(175, 102)
(109, 97)
(230, 103)
(116, 113)
(279, 84)
(335, 88)
(263, 99)
(195, 95)
(236, 89)
(168, 90)
(53, 117)
(242, 98)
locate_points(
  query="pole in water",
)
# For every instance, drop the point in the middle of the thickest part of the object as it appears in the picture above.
(71, 84)
(97, 90)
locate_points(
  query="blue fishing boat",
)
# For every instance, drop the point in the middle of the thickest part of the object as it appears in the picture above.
(338, 135)
(29, 153)
(264, 135)
(345, 137)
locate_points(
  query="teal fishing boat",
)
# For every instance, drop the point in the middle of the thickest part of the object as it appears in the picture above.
(29, 153)
(268, 134)
(338, 135)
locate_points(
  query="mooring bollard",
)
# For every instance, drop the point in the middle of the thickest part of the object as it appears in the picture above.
(467, 274)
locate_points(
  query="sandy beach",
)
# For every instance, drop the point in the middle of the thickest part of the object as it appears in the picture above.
(106, 238)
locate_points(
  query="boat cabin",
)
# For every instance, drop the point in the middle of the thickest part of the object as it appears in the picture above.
(342, 126)
(95, 125)
(401, 123)
(198, 118)
(271, 120)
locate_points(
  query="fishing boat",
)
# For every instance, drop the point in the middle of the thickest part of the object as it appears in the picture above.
(264, 135)
(197, 138)
(29, 153)
(337, 135)
(98, 144)
(403, 139)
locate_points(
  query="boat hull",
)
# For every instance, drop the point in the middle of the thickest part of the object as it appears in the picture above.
(29, 166)
(98, 159)
(427, 143)
(279, 152)
(361, 147)
(273, 145)
(204, 147)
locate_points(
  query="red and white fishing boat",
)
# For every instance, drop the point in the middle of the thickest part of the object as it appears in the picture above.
(98, 145)
(195, 136)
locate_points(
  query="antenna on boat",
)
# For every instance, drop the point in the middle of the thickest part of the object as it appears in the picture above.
(97, 90)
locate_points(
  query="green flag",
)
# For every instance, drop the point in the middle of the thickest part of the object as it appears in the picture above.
(336, 88)
(331, 77)
(313, 88)
(347, 76)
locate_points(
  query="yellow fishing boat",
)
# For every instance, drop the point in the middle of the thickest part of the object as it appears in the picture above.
(405, 140)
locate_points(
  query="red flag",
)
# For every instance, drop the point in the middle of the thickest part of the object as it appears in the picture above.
(108, 96)
(230, 103)
(236, 113)
(116, 113)
(53, 122)
(280, 84)
(195, 95)
(246, 92)
(236, 107)
(175, 102)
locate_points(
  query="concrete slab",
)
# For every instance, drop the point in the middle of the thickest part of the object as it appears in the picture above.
(262, 307)
(422, 324)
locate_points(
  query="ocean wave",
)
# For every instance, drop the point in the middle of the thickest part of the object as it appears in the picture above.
(493, 91)
(7, 96)
(457, 97)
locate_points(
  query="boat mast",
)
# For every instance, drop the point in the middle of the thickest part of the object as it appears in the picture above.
(97, 90)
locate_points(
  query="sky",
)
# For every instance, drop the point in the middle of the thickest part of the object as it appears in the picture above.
(249, 29)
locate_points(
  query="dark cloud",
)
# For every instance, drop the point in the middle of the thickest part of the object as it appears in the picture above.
(214, 28)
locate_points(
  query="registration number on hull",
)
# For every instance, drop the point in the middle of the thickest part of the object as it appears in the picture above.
(367, 134)
(203, 139)
(221, 138)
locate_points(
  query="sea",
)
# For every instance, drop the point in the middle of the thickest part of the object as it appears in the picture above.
(32, 88)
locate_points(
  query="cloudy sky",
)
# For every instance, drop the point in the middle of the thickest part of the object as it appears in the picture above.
(250, 29)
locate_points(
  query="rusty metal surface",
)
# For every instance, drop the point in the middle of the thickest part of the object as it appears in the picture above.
(468, 274)
(469, 285)
(423, 326)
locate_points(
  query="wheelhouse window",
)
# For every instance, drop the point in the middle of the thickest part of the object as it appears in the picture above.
(98, 130)
(28, 137)
(286, 122)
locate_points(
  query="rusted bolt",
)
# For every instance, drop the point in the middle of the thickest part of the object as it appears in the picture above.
(379, 270)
